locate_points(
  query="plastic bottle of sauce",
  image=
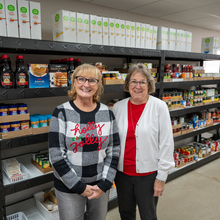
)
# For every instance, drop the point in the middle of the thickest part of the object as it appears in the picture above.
(21, 76)
(70, 70)
(6, 75)
(77, 62)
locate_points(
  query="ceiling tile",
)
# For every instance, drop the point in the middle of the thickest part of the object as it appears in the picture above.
(158, 9)
(184, 16)
(213, 9)
(122, 4)
(203, 21)
(213, 27)
(192, 3)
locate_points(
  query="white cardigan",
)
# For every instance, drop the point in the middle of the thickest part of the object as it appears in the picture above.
(154, 137)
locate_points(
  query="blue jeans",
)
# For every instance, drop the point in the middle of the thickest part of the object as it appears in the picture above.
(136, 190)
(72, 206)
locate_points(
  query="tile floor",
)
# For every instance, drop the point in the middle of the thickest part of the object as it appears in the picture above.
(193, 196)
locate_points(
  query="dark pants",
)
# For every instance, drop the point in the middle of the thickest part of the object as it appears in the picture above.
(136, 190)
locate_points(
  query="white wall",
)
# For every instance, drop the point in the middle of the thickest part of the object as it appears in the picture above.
(49, 7)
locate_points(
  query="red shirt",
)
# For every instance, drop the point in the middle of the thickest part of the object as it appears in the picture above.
(130, 145)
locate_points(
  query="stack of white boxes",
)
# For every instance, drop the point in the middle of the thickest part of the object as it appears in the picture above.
(20, 19)
(92, 29)
(209, 45)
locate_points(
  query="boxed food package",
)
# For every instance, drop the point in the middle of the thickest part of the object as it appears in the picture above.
(86, 28)
(143, 35)
(171, 38)
(183, 41)
(122, 33)
(3, 31)
(99, 30)
(11, 18)
(105, 29)
(58, 75)
(154, 37)
(216, 45)
(178, 39)
(138, 35)
(38, 75)
(24, 19)
(61, 26)
(93, 29)
(111, 32)
(72, 26)
(127, 33)
(35, 20)
(79, 28)
(188, 41)
(162, 38)
(208, 45)
(117, 32)
(133, 34)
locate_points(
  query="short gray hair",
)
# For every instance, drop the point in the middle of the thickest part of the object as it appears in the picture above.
(140, 68)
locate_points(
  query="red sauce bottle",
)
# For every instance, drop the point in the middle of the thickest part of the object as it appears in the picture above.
(21, 75)
(6, 75)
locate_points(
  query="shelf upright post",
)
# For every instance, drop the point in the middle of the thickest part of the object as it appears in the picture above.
(161, 71)
(2, 191)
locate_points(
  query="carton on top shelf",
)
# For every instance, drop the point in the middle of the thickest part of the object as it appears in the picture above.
(3, 31)
(72, 26)
(178, 39)
(133, 36)
(11, 18)
(99, 30)
(127, 33)
(123, 33)
(24, 19)
(61, 26)
(79, 28)
(208, 45)
(105, 29)
(162, 38)
(117, 32)
(143, 35)
(138, 35)
(93, 29)
(188, 41)
(111, 31)
(154, 38)
(86, 28)
(35, 20)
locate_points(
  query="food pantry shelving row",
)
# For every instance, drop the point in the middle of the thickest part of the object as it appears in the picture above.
(27, 46)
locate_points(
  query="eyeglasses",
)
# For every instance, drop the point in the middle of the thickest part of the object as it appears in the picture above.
(82, 80)
(141, 83)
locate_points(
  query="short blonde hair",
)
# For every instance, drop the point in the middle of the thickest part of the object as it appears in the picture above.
(140, 68)
(86, 70)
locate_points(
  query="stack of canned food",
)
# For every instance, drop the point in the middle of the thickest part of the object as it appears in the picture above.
(42, 159)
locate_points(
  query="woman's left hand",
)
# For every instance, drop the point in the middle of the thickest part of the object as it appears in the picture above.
(158, 187)
(97, 192)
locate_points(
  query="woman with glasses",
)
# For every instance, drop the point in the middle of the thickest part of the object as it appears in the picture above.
(84, 148)
(147, 146)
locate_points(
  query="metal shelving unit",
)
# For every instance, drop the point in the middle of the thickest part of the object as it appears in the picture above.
(29, 46)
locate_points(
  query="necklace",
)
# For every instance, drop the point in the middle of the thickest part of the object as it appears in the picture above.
(132, 120)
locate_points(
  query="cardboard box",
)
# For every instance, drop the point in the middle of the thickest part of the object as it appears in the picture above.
(11, 118)
(13, 134)
(72, 26)
(133, 34)
(171, 38)
(183, 41)
(3, 31)
(79, 28)
(154, 37)
(35, 20)
(105, 28)
(143, 35)
(208, 45)
(11, 18)
(24, 19)
(122, 33)
(61, 26)
(138, 35)
(111, 32)
(216, 45)
(178, 39)
(148, 44)
(50, 169)
(99, 30)
(188, 41)
(86, 28)
(41, 130)
(118, 32)
(127, 33)
(113, 81)
(162, 38)
(38, 75)
(58, 75)
(93, 29)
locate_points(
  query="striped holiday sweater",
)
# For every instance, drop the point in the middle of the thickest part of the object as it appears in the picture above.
(84, 147)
